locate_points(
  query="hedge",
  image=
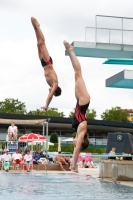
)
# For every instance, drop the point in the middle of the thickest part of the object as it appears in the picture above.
(70, 148)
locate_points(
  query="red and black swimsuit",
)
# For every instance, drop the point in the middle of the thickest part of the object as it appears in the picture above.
(49, 62)
(79, 115)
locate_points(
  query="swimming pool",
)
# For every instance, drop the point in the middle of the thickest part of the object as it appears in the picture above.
(59, 186)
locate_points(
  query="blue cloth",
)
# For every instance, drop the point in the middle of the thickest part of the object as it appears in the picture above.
(36, 157)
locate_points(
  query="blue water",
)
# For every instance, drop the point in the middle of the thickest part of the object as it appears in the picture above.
(60, 187)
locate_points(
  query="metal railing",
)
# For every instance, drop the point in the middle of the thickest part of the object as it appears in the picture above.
(110, 35)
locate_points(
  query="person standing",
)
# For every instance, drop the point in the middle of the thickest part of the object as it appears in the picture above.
(12, 132)
(79, 123)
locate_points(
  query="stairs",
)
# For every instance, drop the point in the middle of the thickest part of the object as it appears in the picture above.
(12, 147)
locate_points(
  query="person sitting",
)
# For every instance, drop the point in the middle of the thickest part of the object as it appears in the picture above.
(90, 164)
(61, 161)
(71, 162)
(82, 163)
(112, 152)
(36, 158)
(12, 132)
(22, 160)
(16, 158)
(28, 159)
(6, 158)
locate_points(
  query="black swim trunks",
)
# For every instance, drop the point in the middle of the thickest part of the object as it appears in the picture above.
(49, 62)
(79, 115)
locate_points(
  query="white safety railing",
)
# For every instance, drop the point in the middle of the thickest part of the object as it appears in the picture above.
(118, 31)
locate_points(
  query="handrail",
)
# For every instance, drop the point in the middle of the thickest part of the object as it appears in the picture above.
(115, 29)
(113, 17)
(122, 31)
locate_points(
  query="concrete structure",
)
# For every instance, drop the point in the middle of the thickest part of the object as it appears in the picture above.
(119, 61)
(123, 79)
(102, 50)
(109, 38)
(123, 142)
(47, 167)
(116, 170)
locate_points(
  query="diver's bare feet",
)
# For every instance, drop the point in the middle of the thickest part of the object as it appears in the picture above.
(73, 169)
(68, 46)
(34, 22)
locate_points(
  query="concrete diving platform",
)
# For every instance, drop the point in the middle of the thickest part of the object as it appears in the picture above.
(123, 79)
(102, 50)
(116, 170)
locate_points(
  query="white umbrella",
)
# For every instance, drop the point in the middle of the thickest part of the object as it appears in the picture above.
(68, 140)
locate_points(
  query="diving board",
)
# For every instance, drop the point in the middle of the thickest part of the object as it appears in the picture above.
(119, 61)
(123, 79)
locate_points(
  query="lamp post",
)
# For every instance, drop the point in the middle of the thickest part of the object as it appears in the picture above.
(46, 122)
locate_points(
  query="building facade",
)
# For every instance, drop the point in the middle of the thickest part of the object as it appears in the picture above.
(97, 129)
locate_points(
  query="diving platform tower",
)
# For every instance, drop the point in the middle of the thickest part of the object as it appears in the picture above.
(112, 39)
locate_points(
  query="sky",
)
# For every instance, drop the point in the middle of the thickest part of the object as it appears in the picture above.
(21, 74)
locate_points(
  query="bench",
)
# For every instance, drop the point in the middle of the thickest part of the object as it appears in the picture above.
(50, 166)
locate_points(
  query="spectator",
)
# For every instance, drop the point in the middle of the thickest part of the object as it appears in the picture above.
(12, 132)
(16, 157)
(112, 152)
(71, 162)
(90, 164)
(6, 158)
(22, 160)
(28, 159)
(61, 161)
(36, 158)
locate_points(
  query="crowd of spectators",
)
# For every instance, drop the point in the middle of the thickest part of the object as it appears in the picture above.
(17, 159)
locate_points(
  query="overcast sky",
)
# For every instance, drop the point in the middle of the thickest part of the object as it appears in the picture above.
(21, 74)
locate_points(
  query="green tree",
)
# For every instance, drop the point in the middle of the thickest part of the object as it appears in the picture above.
(71, 114)
(73, 135)
(54, 137)
(116, 114)
(50, 112)
(12, 106)
(90, 114)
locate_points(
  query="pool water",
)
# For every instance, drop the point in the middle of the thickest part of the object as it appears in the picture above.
(60, 187)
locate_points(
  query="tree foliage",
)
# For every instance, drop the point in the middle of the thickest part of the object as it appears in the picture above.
(50, 112)
(73, 135)
(54, 137)
(116, 114)
(12, 106)
(90, 114)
